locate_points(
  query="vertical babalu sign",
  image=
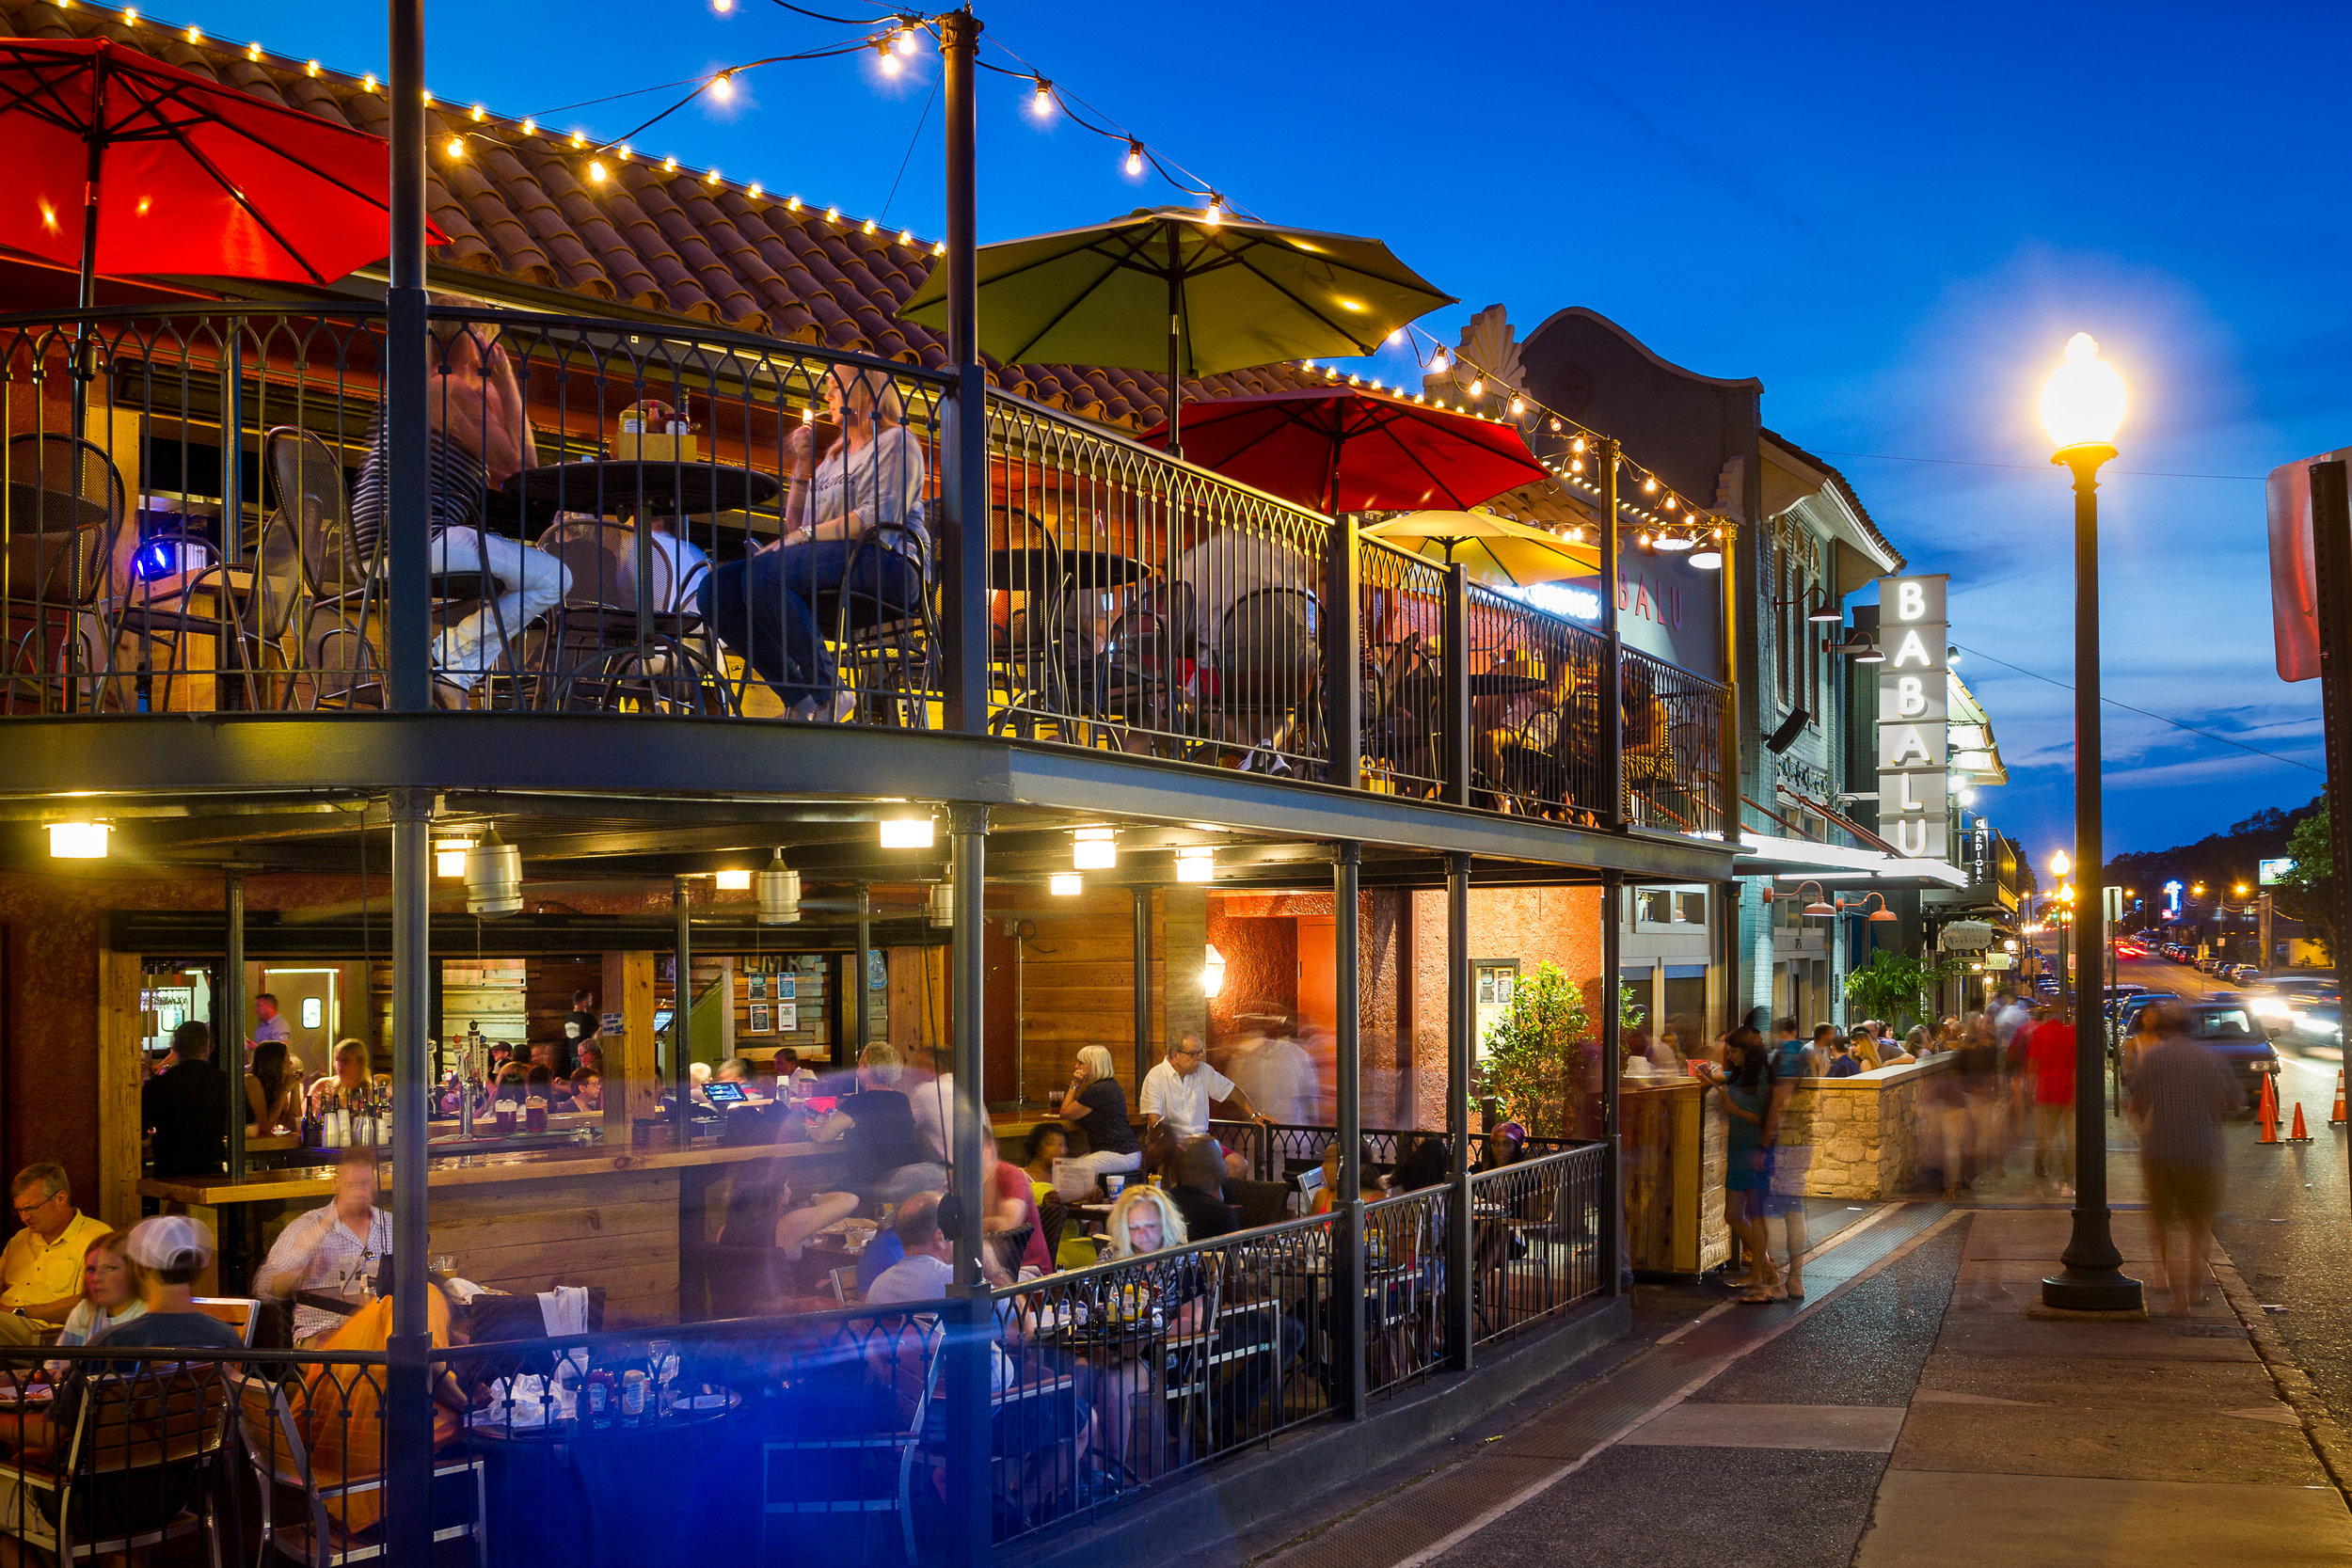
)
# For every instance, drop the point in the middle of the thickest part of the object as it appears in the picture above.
(1914, 714)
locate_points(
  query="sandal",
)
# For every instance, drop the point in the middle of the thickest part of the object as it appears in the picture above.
(1759, 1297)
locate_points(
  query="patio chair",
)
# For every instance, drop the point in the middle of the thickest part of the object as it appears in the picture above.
(1146, 674)
(241, 1313)
(1026, 653)
(315, 1535)
(863, 1470)
(885, 649)
(65, 518)
(605, 649)
(334, 623)
(137, 1469)
(1270, 673)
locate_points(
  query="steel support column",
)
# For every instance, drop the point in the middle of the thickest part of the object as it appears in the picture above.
(864, 961)
(682, 1007)
(229, 1042)
(964, 431)
(410, 670)
(1342, 656)
(407, 1403)
(1455, 765)
(1461, 1019)
(1348, 1318)
(1143, 990)
(1605, 464)
(1612, 1248)
(968, 1358)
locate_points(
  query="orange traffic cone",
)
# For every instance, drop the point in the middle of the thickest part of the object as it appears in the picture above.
(2267, 1112)
(2300, 1135)
(2336, 1116)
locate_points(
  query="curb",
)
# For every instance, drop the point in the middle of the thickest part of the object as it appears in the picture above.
(2327, 1440)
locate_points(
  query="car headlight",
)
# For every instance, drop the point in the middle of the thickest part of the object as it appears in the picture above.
(2269, 1007)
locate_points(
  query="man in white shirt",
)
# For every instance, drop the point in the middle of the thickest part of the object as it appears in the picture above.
(926, 1273)
(1177, 1091)
(933, 1102)
(333, 1249)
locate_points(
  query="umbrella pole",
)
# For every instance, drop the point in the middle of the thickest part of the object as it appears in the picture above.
(1175, 345)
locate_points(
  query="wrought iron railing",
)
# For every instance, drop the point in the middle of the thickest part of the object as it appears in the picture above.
(632, 521)
(1536, 1230)
(1405, 1278)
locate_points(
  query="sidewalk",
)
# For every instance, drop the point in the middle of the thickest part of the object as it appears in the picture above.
(1911, 1412)
(2072, 1442)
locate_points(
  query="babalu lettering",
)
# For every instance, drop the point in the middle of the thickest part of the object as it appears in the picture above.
(1651, 601)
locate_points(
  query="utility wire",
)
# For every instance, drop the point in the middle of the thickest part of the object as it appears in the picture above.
(2062, 685)
(2025, 467)
(925, 119)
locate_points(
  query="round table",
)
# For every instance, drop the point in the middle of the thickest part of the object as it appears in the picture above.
(628, 487)
(1032, 567)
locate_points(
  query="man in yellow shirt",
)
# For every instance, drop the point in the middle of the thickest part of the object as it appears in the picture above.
(41, 1269)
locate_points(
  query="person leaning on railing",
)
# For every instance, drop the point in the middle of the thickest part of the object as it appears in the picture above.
(764, 606)
(41, 1269)
(1097, 1106)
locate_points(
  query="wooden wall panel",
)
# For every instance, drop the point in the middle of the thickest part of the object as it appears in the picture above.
(620, 1231)
(631, 1092)
(121, 1073)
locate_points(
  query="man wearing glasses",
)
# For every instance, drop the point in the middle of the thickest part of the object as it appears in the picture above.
(1177, 1093)
(41, 1269)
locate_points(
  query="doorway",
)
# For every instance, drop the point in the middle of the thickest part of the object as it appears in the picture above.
(306, 1000)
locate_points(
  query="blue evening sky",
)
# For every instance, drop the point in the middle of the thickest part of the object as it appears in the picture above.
(1894, 217)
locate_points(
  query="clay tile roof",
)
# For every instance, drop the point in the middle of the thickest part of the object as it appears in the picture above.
(518, 208)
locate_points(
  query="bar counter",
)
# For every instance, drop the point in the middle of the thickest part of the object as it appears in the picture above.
(527, 1221)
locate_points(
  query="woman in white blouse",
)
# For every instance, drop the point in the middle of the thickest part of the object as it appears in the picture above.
(872, 479)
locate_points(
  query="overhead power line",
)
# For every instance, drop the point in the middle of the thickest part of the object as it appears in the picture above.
(2062, 685)
(2027, 468)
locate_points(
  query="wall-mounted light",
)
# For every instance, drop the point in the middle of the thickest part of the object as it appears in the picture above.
(77, 841)
(779, 890)
(1196, 865)
(494, 878)
(449, 856)
(734, 880)
(906, 832)
(1212, 972)
(1094, 849)
(1065, 884)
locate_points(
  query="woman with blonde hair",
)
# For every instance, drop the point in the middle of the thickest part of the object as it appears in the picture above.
(852, 528)
(1097, 1106)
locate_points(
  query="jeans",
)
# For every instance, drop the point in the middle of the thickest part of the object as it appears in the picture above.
(765, 607)
(530, 583)
(1102, 1161)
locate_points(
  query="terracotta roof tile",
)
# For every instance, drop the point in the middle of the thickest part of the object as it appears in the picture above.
(516, 208)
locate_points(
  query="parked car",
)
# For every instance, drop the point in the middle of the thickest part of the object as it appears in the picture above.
(2231, 1032)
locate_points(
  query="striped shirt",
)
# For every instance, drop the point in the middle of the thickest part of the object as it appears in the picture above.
(341, 1262)
(455, 483)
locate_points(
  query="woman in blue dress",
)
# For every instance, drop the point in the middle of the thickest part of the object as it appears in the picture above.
(1746, 1080)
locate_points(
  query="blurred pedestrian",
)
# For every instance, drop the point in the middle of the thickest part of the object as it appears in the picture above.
(2050, 1059)
(2180, 1093)
(1746, 1080)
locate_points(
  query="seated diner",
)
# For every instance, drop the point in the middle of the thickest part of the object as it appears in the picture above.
(41, 1267)
(333, 1249)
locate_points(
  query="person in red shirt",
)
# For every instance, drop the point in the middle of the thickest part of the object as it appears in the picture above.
(1012, 1205)
(2051, 1055)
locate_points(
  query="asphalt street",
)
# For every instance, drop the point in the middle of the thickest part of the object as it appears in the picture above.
(2286, 1216)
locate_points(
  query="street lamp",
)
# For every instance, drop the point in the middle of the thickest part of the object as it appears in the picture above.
(2081, 408)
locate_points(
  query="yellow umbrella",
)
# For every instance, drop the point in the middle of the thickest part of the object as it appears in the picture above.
(1495, 549)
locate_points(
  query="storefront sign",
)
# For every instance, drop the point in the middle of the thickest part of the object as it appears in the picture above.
(1914, 804)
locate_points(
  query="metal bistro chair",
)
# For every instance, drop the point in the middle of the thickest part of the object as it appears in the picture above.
(1270, 669)
(65, 518)
(137, 1470)
(885, 648)
(281, 1469)
(333, 621)
(607, 650)
(908, 1369)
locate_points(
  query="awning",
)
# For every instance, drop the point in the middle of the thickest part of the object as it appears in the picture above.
(1800, 859)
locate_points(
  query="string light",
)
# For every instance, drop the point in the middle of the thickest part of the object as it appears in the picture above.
(791, 203)
(669, 166)
(906, 41)
(712, 177)
(869, 226)
(456, 146)
(1649, 485)
(1478, 387)
(480, 113)
(721, 7)
(130, 19)
(1042, 101)
(309, 69)
(1216, 215)
(1439, 363)
(531, 127)
(906, 236)
(752, 190)
(1519, 406)
(597, 173)
(889, 60)
(722, 87)
(622, 152)
(832, 215)
(253, 49)
(578, 141)
(366, 83)
(1134, 159)
(195, 36)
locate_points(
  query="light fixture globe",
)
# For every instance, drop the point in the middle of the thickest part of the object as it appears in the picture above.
(2083, 404)
(2060, 865)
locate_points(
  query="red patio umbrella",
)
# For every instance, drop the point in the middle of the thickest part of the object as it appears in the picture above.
(1347, 449)
(120, 164)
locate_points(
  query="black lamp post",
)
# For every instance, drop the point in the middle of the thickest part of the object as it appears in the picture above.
(2081, 408)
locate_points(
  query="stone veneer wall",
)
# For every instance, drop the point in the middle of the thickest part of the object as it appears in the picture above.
(1862, 1132)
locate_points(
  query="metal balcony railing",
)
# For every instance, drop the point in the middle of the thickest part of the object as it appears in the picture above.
(630, 521)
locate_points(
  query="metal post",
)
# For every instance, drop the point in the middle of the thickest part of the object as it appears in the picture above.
(963, 434)
(968, 1483)
(1605, 455)
(2093, 1279)
(1456, 767)
(865, 962)
(229, 1049)
(1342, 658)
(1461, 1018)
(682, 1007)
(2331, 558)
(1612, 1249)
(406, 348)
(407, 1405)
(1348, 1320)
(1143, 988)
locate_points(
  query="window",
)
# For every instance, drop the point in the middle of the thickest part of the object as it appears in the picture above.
(1670, 908)
(1655, 906)
(1494, 981)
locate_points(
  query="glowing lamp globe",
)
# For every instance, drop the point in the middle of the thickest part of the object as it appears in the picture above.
(2083, 404)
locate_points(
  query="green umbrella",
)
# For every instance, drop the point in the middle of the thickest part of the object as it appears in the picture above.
(1191, 289)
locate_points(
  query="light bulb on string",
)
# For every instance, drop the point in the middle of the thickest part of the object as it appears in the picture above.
(889, 60)
(1519, 406)
(1649, 485)
(531, 127)
(1216, 210)
(722, 88)
(597, 173)
(1555, 427)
(1478, 387)
(1577, 444)
(1041, 100)
(906, 41)
(721, 7)
(456, 146)
(1439, 363)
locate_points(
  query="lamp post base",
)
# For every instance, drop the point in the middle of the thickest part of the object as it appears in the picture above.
(2106, 1289)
